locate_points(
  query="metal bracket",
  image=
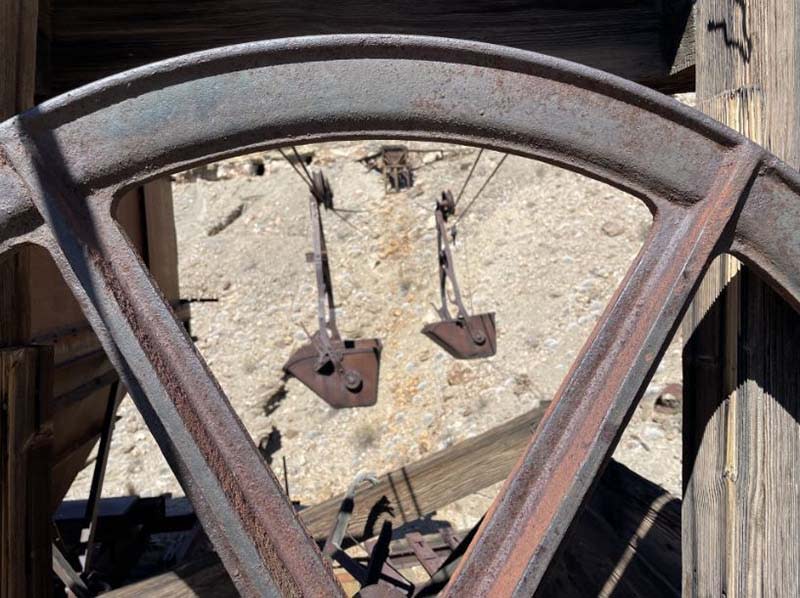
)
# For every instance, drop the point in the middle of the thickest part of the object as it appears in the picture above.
(463, 336)
(343, 373)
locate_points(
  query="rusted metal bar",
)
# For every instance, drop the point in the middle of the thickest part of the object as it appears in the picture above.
(115, 395)
(62, 163)
(68, 576)
(429, 560)
(539, 501)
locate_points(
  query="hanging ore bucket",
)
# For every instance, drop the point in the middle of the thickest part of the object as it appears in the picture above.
(344, 373)
(463, 336)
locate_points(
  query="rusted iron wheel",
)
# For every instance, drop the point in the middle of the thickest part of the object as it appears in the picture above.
(710, 190)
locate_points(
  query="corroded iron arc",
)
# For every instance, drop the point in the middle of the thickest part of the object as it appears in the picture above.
(710, 190)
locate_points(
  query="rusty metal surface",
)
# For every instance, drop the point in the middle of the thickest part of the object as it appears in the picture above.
(463, 336)
(344, 373)
(711, 190)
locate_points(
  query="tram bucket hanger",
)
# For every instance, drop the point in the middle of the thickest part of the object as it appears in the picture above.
(344, 373)
(463, 336)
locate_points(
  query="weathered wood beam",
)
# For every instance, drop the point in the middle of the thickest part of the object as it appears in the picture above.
(741, 382)
(25, 452)
(642, 40)
(18, 27)
(18, 24)
(25, 373)
(431, 483)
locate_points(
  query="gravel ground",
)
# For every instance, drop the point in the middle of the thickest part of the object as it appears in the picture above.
(543, 248)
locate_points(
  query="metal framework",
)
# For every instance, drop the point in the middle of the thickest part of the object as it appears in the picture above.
(710, 190)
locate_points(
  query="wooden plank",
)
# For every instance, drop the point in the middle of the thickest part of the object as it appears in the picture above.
(419, 489)
(162, 240)
(81, 393)
(648, 529)
(35, 303)
(18, 20)
(43, 55)
(741, 384)
(631, 38)
(71, 342)
(202, 577)
(50, 303)
(25, 447)
(17, 55)
(601, 559)
(414, 491)
(14, 312)
(25, 373)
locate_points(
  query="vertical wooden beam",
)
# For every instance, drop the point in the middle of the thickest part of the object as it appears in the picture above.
(161, 241)
(741, 508)
(25, 373)
(25, 452)
(18, 26)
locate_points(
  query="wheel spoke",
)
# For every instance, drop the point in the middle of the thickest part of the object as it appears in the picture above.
(540, 499)
(239, 501)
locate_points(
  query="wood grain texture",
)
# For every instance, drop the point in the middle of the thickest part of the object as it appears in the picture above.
(25, 373)
(162, 240)
(632, 38)
(25, 448)
(741, 515)
(38, 308)
(18, 25)
(35, 304)
(625, 543)
(18, 22)
(419, 489)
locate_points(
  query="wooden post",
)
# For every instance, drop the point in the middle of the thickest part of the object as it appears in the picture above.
(741, 509)
(25, 452)
(25, 373)
(18, 25)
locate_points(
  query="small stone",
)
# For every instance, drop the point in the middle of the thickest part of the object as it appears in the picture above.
(521, 384)
(532, 341)
(612, 228)
(459, 373)
(652, 432)
(670, 399)
(449, 393)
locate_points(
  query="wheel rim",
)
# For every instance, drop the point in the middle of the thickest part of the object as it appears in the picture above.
(63, 163)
